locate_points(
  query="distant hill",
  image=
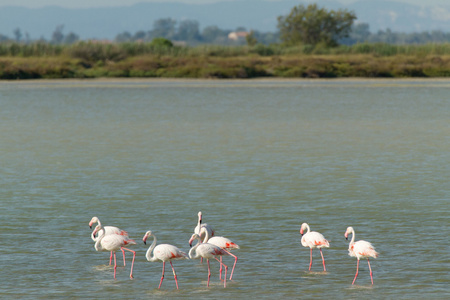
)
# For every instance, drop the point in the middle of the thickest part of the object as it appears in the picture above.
(106, 23)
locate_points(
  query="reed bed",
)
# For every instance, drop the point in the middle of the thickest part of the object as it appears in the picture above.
(90, 60)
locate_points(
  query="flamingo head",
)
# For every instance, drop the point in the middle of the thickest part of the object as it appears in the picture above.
(200, 217)
(93, 220)
(147, 234)
(303, 228)
(348, 231)
(193, 237)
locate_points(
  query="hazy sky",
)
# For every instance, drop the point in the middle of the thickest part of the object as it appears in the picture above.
(99, 3)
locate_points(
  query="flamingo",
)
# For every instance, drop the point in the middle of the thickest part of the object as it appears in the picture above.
(163, 252)
(113, 242)
(208, 251)
(223, 243)
(199, 226)
(360, 249)
(108, 230)
(313, 239)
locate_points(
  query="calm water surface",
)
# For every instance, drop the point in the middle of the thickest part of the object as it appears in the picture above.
(258, 158)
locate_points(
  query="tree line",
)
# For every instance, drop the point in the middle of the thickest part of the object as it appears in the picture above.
(304, 25)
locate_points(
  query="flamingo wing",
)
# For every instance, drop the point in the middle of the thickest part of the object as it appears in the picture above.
(166, 252)
(314, 239)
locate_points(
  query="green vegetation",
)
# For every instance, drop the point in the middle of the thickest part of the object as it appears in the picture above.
(313, 25)
(160, 59)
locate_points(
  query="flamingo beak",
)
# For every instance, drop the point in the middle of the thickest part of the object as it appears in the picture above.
(145, 243)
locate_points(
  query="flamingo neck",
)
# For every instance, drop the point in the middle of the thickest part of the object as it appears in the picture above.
(194, 249)
(206, 238)
(97, 245)
(307, 228)
(93, 236)
(199, 223)
(148, 255)
(353, 237)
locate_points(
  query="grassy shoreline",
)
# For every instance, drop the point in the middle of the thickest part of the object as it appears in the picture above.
(143, 61)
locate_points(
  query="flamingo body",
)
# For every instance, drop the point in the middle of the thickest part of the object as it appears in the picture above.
(207, 251)
(360, 249)
(113, 242)
(225, 244)
(164, 253)
(313, 239)
(107, 230)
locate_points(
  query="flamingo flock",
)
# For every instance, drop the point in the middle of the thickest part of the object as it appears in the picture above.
(209, 246)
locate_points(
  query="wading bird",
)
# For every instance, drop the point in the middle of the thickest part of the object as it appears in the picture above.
(207, 228)
(360, 249)
(208, 251)
(313, 239)
(164, 253)
(108, 230)
(223, 243)
(113, 242)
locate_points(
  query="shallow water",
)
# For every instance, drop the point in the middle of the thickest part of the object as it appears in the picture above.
(257, 157)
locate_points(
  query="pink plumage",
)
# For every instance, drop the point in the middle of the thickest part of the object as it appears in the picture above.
(223, 243)
(164, 253)
(114, 242)
(313, 239)
(108, 230)
(360, 249)
(207, 251)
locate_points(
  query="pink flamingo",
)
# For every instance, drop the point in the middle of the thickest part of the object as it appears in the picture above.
(113, 242)
(201, 225)
(223, 243)
(163, 252)
(207, 228)
(108, 230)
(360, 249)
(208, 251)
(313, 239)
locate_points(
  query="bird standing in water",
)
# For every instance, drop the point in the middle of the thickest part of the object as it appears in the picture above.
(360, 249)
(164, 253)
(113, 242)
(313, 239)
(208, 251)
(108, 230)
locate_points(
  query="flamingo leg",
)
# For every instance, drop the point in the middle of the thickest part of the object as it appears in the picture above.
(132, 263)
(235, 261)
(174, 274)
(357, 268)
(310, 259)
(220, 268)
(162, 274)
(110, 258)
(371, 278)
(226, 270)
(323, 260)
(115, 265)
(123, 253)
(209, 273)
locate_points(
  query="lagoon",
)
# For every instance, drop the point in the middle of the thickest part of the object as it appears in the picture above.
(257, 157)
